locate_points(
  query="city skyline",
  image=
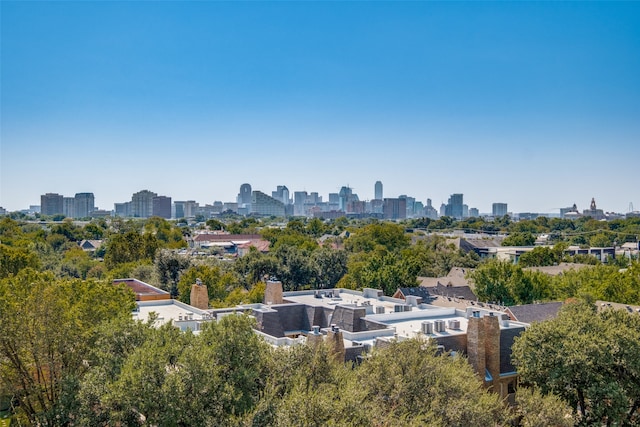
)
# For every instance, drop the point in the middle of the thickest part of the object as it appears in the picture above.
(454, 199)
(532, 104)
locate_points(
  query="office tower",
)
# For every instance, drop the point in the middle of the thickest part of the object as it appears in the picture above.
(122, 209)
(84, 204)
(499, 209)
(51, 204)
(282, 194)
(244, 197)
(429, 211)
(395, 208)
(455, 206)
(299, 199)
(262, 204)
(142, 204)
(474, 213)
(465, 211)
(161, 206)
(378, 190)
(68, 207)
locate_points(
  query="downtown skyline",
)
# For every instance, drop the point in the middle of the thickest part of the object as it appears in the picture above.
(532, 104)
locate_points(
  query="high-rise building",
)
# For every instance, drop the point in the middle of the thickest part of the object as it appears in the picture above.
(262, 204)
(84, 204)
(142, 204)
(378, 190)
(395, 208)
(474, 213)
(122, 209)
(282, 194)
(455, 206)
(244, 197)
(299, 199)
(430, 211)
(69, 207)
(499, 209)
(161, 206)
(51, 204)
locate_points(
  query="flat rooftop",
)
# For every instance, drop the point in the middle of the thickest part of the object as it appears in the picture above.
(330, 298)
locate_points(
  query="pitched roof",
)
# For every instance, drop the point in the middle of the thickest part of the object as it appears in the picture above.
(418, 291)
(529, 313)
(555, 270)
(461, 292)
(456, 277)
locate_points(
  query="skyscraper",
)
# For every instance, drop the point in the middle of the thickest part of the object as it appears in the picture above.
(244, 197)
(161, 206)
(499, 209)
(84, 204)
(455, 206)
(378, 190)
(142, 204)
(51, 204)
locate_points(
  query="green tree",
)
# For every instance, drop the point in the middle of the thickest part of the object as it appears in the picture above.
(519, 239)
(388, 236)
(13, 260)
(168, 377)
(330, 265)
(47, 326)
(597, 369)
(169, 267)
(534, 409)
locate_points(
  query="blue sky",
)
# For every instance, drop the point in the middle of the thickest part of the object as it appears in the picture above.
(536, 104)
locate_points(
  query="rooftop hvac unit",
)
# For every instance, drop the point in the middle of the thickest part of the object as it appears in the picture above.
(379, 309)
(454, 324)
(427, 328)
(398, 308)
(407, 307)
(439, 325)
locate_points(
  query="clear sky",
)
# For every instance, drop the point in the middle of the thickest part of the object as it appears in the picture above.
(536, 104)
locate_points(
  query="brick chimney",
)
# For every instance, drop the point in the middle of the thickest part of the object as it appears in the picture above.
(492, 345)
(199, 295)
(476, 343)
(273, 292)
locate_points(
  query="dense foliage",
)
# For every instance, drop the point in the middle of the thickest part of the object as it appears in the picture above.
(591, 359)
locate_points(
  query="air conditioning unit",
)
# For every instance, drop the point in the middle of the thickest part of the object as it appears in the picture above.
(439, 325)
(454, 324)
(427, 328)
(379, 309)
(398, 308)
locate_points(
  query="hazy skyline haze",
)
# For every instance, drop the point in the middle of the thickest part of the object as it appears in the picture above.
(532, 104)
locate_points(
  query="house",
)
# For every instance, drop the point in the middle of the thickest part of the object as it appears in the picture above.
(90, 245)
(530, 313)
(418, 292)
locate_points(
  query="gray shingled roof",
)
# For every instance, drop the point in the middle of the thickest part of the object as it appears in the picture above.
(530, 313)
